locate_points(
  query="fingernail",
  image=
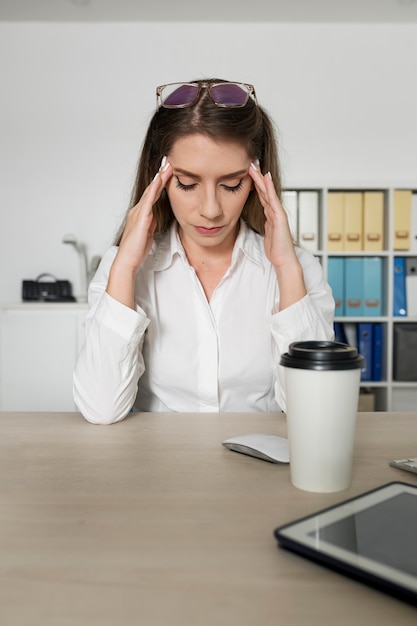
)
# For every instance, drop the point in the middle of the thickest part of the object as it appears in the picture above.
(253, 166)
(162, 163)
(258, 162)
(166, 166)
(270, 175)
(156, 176)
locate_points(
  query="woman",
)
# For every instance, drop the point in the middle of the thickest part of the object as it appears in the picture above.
(204, 289)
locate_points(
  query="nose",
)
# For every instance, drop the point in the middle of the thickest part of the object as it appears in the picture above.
(210, 207)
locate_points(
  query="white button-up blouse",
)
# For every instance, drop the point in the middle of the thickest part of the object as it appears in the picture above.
(179, 352)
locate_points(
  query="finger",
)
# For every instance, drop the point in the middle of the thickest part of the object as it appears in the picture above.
(264, 186)
(257, 178)
(166, 172)
(273, 199)
(154, 190)
(260, 190)
(265, 189)
(161, 178)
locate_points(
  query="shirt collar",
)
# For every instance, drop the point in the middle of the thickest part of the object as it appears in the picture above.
(250, 244)
(168, 245)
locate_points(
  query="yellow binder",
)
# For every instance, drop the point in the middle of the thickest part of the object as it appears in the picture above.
(373, 220)
(335, 220)
(402, 218)
(353, 226)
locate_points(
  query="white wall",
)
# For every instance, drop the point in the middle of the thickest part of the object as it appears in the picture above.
(76, 98)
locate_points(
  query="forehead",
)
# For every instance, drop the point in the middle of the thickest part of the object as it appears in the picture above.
(200, 149)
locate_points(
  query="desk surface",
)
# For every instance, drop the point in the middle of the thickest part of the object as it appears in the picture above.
(153, 522)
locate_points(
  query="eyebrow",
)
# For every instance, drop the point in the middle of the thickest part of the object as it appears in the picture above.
(179, 170)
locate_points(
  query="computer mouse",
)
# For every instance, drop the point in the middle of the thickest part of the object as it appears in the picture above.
(262, 446)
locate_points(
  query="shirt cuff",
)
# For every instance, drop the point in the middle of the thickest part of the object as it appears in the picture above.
(120, 318)
(294, 320)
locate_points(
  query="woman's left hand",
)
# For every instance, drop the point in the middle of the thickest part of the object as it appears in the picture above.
(279, 244)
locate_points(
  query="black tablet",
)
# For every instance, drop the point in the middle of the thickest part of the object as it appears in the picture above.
(372, 537)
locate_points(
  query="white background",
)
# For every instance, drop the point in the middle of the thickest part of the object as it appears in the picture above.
(76, 98)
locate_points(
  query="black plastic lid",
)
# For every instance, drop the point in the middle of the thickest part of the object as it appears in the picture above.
(322, 355)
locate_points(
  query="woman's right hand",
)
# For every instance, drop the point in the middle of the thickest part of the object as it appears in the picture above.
(136, 240)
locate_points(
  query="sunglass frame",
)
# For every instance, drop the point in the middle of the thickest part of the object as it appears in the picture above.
(250, 92)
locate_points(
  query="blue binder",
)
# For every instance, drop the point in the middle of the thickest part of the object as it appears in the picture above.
(365, 344)
(377, 352)
(354, 286)
(372, 286)
(400, 296)
(336, 280)
(339, 333)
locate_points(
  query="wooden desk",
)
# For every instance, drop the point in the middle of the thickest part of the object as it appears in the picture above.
(153, 522)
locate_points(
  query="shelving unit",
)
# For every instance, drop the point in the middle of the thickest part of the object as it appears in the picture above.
(389, 394)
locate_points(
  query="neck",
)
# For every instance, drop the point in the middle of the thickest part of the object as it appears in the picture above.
(211, 255)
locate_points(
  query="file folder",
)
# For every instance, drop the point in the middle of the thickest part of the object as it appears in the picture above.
(405, 350)
(353, 228)
(336, 280)
(335, 220)
(354, 286)
(400, 302)
(373, 220)
(372, 286)
(413, 227)
(377, 352)
(365, 341)
(411, 286)
(308, 219)
(339, 333)
(290, 204)
(402, 219)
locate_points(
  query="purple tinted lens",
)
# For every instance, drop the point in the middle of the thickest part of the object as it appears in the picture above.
(180, 96)
(228, 94)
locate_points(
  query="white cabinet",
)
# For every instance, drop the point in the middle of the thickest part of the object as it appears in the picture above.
(39, 346)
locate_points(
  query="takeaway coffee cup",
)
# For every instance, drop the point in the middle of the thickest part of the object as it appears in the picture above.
(322, 386)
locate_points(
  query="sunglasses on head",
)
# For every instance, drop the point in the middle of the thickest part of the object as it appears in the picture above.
(181, 95)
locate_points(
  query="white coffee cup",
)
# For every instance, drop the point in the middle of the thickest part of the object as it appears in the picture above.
(322, 389)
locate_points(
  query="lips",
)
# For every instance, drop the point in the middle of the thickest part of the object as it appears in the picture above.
(202, 230)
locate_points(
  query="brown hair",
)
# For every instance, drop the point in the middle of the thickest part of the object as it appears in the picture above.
(249, 125)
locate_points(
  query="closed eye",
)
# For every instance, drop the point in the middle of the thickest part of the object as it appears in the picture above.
(191, 186)
(233, 188)
(181, 185)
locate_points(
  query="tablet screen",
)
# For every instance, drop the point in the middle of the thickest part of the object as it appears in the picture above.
(386, 532)
(372, 537)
